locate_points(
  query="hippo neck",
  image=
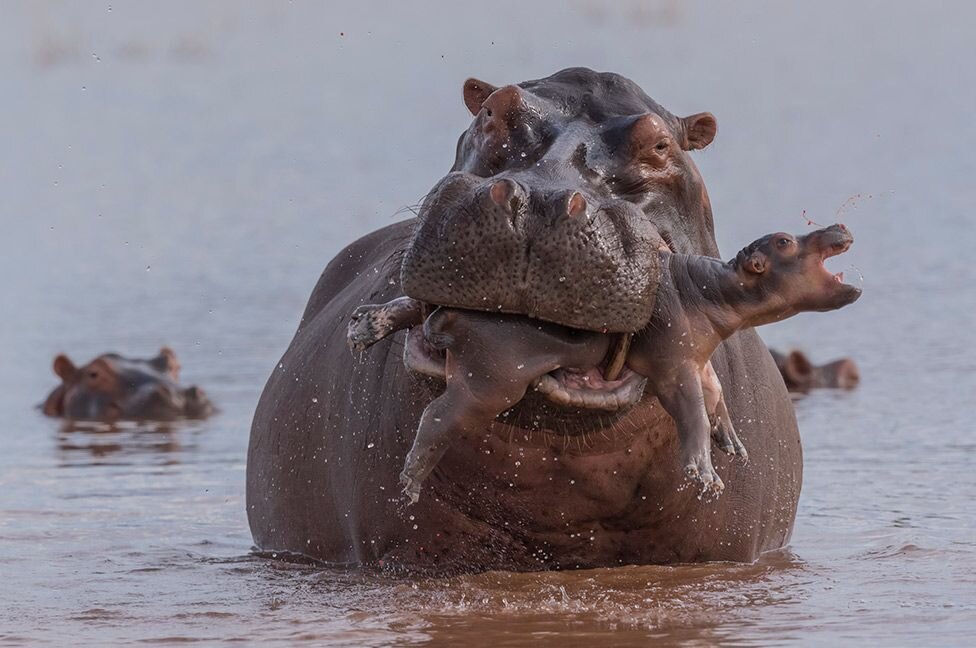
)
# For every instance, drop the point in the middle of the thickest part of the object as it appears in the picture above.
(712, 293)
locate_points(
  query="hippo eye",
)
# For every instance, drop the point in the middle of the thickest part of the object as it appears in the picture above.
(661, 146)
(93, 374)
(783, 242)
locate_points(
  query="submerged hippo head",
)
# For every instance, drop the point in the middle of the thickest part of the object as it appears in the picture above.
(561, 191)
(787, 272)
(111, 388)
(801, 375)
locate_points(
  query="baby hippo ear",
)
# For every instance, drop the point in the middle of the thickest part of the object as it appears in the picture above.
(64, 367)
(756, 263)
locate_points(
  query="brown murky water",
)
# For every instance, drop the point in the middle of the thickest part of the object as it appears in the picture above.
(181, 175)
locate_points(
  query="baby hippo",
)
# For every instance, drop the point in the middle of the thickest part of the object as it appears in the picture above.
(493, 359)
(112, 388)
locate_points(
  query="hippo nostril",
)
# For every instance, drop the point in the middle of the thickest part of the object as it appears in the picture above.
(503, 194)
(576, 205)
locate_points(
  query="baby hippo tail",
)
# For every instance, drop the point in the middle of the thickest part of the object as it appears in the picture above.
(436, 327)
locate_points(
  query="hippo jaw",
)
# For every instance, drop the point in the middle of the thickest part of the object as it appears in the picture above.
(567, 387)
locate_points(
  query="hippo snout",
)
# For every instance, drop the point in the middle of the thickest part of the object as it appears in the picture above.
(531, 245)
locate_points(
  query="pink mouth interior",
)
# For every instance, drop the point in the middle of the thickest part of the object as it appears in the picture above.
(831, 251)
(591, 378)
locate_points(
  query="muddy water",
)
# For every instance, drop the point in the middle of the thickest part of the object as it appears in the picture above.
(180, 175)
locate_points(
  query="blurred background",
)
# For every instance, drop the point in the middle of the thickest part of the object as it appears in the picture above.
(180, 174)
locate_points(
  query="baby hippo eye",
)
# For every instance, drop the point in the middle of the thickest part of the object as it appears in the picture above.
(784, 242)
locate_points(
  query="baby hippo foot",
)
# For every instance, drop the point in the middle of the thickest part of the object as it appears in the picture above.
(698, 468)
(411, 487)
(724, 436)
(368, 325)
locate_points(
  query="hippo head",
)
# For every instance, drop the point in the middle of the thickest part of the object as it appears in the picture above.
(561, 191)
(111, 388)
(801, 375)
(787, 272)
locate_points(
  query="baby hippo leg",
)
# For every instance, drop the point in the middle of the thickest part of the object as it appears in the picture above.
(452, 414)
(371, 323)
(684, 401)
(723, 432)
(488, 370)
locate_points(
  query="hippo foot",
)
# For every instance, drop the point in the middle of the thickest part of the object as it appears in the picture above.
(724, 436)
(699, 469)
(368, 325)
(411, 488)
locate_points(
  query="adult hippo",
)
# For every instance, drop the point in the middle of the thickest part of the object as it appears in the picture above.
(586, 171)
(112, 387)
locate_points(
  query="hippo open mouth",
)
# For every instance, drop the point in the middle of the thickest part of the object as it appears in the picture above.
(570, 387)
(830, 242)
(836, 246)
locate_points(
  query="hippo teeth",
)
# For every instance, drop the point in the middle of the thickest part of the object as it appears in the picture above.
(839, 277)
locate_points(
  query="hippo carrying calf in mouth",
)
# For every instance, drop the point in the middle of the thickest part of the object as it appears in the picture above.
(492, 360)
(561, 195)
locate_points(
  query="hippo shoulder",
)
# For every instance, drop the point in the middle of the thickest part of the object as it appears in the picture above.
(381, 247)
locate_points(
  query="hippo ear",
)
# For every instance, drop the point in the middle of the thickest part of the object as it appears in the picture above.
(756, 263)
(797, 367)
(700, 130)
(475, 93)
(64, 367)
(167, 362)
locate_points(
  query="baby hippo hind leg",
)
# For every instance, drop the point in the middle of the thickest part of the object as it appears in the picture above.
(371, 323)
(723, 432)
(685, 402)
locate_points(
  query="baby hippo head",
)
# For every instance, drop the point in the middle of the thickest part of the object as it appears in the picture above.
(112, 388)
(789, 271)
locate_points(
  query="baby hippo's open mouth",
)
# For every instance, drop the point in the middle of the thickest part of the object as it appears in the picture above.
(832, 241)
(571, 387)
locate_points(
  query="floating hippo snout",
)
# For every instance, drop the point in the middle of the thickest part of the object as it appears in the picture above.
(112, 387)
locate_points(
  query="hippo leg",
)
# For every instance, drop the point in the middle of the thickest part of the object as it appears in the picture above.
(447, 417)
(684, 400)
(371, 323)
(723, 432)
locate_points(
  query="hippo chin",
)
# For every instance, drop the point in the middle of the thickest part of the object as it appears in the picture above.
(562, 191)
(112, 388)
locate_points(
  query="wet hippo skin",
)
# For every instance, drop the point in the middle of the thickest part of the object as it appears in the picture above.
(549, 487)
